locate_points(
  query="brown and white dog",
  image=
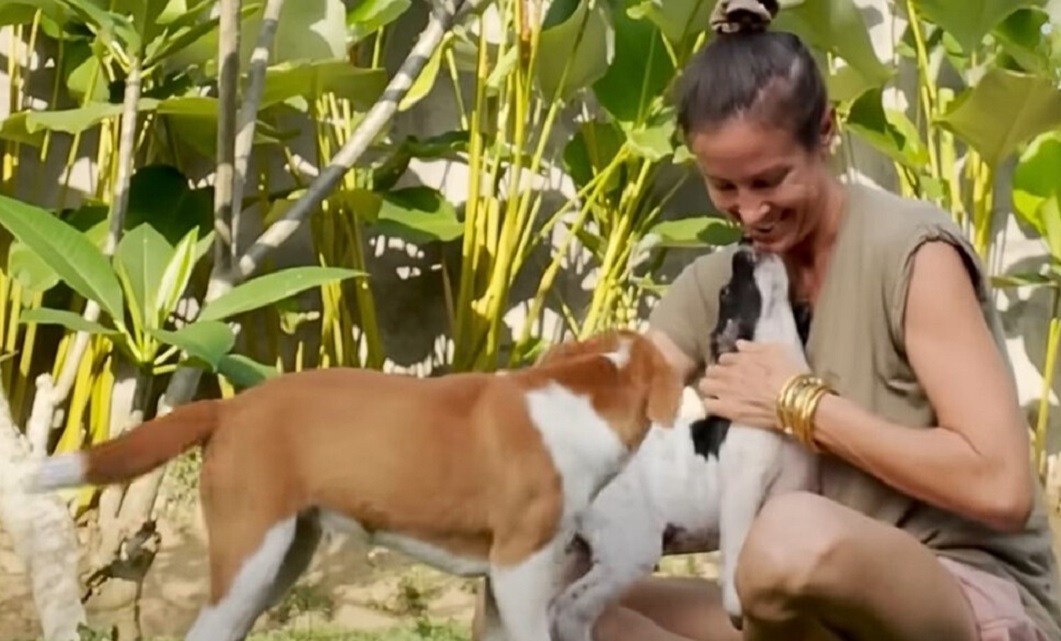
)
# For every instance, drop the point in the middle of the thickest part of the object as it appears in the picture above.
(475, 474)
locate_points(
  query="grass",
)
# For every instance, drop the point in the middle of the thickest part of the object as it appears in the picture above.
(422, 629)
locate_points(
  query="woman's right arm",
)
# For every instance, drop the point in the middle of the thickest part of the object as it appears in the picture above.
(681, 322)
(679, 360)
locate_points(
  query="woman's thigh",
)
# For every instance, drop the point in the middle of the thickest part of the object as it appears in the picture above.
(810, 560)
(688, 607)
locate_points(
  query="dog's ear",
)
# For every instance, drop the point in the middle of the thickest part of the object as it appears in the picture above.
(560, 351)
(574, 347)
(665, 388)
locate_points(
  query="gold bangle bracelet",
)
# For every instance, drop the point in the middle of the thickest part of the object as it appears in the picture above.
(797, 404)
(789, 392)
(808, 408)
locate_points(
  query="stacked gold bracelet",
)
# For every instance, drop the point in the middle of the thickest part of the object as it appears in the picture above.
(796, 404)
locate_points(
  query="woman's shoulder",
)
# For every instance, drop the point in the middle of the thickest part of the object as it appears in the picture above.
(890, 216)
(893, 227)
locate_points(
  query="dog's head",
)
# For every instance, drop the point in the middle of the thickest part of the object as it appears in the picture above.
(643, 372)
(758, 281)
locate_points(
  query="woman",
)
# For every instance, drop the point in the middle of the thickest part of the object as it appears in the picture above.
(929, 524)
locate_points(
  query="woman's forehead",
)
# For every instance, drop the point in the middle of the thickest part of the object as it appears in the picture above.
(744, 152)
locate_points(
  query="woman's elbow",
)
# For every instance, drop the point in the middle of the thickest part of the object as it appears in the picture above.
(1007, 504)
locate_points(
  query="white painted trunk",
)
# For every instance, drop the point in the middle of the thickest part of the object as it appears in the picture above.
(44, 537)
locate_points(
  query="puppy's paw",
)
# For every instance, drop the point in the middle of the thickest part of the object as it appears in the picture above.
(731, 603)
(569, 627)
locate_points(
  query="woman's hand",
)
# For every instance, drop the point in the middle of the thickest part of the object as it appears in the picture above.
(744, 385)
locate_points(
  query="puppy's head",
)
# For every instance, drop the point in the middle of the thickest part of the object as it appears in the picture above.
(646, 380)
(758, 281)
(740, 303)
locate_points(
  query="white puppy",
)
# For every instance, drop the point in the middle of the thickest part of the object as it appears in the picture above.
(697, 487)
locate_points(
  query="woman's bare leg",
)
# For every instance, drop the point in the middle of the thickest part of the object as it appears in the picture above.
(810, 562)
(668, 609)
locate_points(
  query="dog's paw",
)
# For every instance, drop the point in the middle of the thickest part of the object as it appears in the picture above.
(568, 627)
(731, 603)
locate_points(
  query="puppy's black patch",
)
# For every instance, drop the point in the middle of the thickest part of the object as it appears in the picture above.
(740, 305)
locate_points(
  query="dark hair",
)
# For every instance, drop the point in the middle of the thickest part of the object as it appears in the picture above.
(768, 75)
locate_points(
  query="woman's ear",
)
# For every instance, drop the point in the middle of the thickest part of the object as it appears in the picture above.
(827, 132)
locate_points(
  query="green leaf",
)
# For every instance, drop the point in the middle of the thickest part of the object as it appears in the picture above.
(370, 16)
(176, 275)
(890, 132)
(969, 21)
(591, 150)
(653, 141)
(1020, 280)
(307, 30)
(312, 79)
(150, 16)
(270, 288)
(192, 120)
(1020, 35)
(1003, 111)
(426, 79)
(160, 196)
(29, 126)
(580, 44)
(29, 269)
(22, 12)
(74, 258)
(84, 72)
(141, 259)
(205, 340)
(109, 26)
(1037, 177)
(244, 372)
(700, 231)
(446, 146)
(677, 19)
(66, 318)
(419, 215)
(640, 72)
(837, 27)
(1050, 215)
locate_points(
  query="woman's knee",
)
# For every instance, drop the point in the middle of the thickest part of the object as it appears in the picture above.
(791, 554)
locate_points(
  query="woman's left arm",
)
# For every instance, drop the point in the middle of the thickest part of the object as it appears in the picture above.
(977, 462)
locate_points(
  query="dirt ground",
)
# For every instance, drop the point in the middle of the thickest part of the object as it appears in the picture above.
(347, 587)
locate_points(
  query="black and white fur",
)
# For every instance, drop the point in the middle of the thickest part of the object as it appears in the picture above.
(698, 487)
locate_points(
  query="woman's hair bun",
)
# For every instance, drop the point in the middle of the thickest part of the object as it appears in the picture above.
(743, 16)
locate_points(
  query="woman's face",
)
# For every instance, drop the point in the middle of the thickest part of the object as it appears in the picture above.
(764, 179)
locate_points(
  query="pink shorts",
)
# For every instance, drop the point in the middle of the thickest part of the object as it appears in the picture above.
(996, 604)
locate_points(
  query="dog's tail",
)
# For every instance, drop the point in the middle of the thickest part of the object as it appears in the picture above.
(136, 452)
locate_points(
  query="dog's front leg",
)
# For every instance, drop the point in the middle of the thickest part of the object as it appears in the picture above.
(523, 590)
(489, 627)
(748, 463)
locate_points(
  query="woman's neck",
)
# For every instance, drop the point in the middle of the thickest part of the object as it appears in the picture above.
(809, 261)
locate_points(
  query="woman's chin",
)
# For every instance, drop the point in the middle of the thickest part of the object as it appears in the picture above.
(776, 245)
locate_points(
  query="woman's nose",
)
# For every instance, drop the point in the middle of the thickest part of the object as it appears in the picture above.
(749, 210)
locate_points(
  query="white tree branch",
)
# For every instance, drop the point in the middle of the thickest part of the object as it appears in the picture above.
(51, 394)
(248, 113)
(442, 18)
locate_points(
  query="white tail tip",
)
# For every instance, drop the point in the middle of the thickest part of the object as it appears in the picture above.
(56, 472)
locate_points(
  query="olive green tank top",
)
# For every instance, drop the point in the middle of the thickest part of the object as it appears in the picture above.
(854, 344)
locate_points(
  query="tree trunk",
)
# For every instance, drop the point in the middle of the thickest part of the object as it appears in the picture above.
(44, 536)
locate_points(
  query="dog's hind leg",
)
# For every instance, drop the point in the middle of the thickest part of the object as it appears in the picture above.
(298, 557)
(522, 592)
(243, 579)
(622, 552)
